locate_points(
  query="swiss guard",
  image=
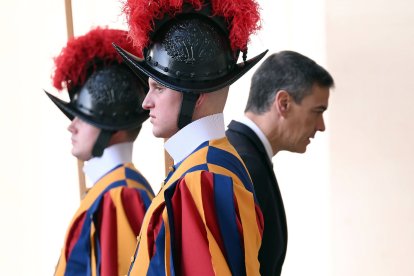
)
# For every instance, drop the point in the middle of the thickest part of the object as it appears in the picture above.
(106, 117)
(206, 219)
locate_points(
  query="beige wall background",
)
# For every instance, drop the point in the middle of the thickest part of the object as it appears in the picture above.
(349, 198)
(369, 49)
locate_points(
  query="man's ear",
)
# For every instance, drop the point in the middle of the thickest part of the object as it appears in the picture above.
(200, 99)
(282, 102)
(118, 136)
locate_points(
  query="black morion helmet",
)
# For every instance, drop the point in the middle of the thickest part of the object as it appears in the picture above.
(107, 94)
(193, 50)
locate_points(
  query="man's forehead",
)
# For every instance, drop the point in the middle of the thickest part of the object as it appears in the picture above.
(318, 97)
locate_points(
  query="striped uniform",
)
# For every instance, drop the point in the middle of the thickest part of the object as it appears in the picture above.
(102, 234)
(204, 221)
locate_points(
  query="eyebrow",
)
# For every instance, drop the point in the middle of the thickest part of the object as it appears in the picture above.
(321, 108)
(155, 84)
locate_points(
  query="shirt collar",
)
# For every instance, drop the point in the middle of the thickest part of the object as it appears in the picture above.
(112, 156)
(248, 122)
(187, 139)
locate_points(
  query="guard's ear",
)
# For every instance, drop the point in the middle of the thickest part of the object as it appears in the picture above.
(282, 102)
(200, 99)
(117, 137)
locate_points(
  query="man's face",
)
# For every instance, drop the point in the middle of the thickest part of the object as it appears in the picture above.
(164, 106)
(84, 137)
(306, 118)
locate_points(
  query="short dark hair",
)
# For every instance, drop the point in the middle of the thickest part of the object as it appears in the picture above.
(286, 70)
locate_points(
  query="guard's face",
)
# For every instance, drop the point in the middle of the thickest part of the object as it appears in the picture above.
(84, 137)
(164, 105)
(306, 118)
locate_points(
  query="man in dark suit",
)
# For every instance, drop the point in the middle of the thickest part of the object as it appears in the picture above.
(288, 96)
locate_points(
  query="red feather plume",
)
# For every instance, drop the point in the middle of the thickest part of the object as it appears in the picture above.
(75, 59)
(243, 17)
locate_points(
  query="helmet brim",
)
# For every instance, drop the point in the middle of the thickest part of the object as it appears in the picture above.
(71, 112)
(140, 66)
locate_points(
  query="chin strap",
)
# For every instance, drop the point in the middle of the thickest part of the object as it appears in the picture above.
(102, 142)
(187, 109)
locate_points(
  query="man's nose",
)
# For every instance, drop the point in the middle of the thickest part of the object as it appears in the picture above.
(321, 124)
(72, 127)
(147, 103)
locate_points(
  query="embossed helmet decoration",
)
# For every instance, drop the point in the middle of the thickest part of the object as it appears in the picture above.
(191, 46)
(102, 89)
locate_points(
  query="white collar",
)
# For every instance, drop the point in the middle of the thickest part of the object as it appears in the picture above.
(112, 156)
(248, 122)
(187, 139)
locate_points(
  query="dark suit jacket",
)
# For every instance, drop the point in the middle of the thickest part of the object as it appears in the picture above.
(251, 150)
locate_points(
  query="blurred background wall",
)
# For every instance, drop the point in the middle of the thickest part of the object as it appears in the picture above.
(349, 198)
(370, 52)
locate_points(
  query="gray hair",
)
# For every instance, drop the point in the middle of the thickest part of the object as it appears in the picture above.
(289, 71)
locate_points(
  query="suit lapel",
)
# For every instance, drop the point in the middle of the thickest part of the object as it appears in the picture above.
(252, 136)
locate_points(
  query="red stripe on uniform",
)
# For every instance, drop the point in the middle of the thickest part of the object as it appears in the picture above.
(194, 257)
(134, 208)
(74, 234)
(154, 226)
(108, 237)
